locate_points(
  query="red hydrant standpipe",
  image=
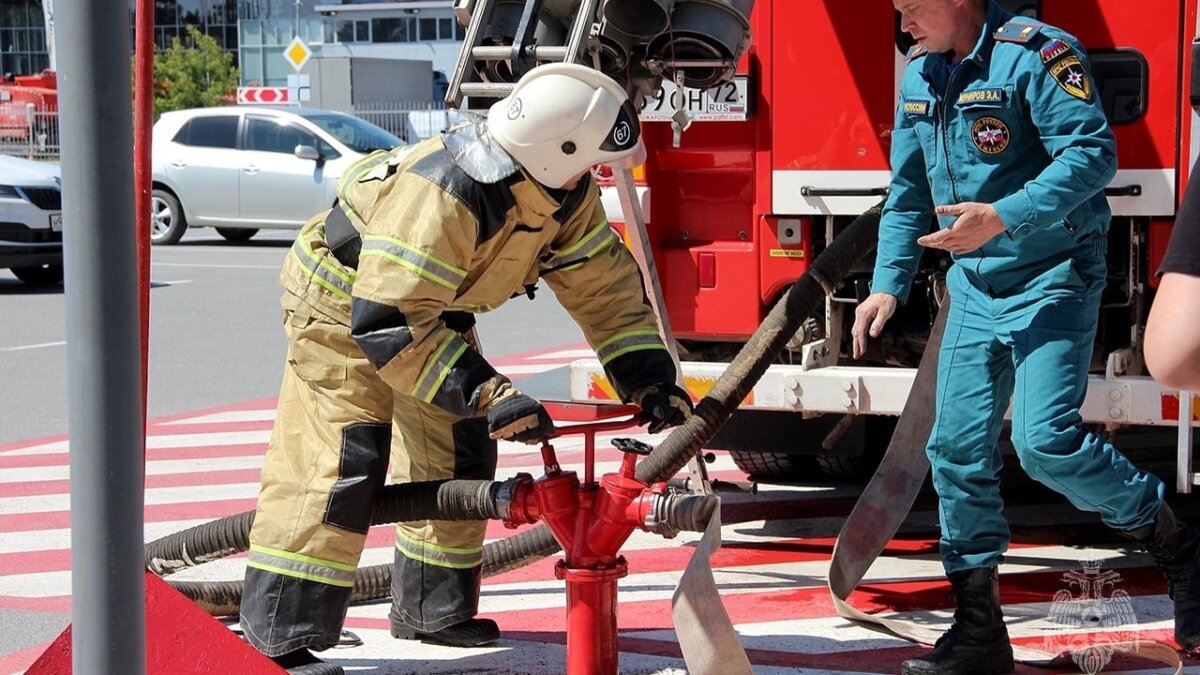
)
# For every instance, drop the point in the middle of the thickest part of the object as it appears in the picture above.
(591, 522)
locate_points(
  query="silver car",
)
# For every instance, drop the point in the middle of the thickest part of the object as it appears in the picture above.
(240, 169)
(31, 220)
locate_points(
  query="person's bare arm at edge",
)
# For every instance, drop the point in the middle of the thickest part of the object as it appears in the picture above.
(1172, 341)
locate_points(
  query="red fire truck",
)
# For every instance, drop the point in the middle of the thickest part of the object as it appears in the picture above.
(24, 101)
(781, 158)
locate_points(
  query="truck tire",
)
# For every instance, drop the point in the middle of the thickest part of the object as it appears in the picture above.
(40, 275)
(167, 222)
(236, 233)
(842, 467)
(783, 447)
(770, 467)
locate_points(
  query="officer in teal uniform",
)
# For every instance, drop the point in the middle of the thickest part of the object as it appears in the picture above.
(999, 134)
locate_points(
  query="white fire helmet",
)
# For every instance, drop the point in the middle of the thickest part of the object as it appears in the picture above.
(562, 119)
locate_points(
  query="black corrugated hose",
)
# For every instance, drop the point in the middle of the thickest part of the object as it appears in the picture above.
(759, 352)
(446, 500)
(442, 499)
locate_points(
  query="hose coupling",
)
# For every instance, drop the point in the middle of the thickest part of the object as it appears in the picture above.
(510, 499)
(672, 513)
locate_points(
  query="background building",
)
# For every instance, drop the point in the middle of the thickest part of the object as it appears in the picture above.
(22, 37)
(422, 30)
(256, 31)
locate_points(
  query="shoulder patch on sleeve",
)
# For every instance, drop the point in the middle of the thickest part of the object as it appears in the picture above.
(1071, 75)
(1017, 31)
(1053, 49)
(1064, 64)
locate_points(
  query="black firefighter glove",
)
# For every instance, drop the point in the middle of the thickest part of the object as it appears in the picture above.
(513, 416)
(665, 404)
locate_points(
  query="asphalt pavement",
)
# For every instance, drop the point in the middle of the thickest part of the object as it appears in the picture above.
(215, 337)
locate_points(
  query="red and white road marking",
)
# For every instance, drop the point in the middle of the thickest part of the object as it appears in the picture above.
(771, 569)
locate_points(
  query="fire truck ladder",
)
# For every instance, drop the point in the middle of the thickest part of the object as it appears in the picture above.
(522, 55)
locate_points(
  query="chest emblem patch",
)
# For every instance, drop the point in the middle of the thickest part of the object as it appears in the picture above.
(990, 135)
(1071, 76)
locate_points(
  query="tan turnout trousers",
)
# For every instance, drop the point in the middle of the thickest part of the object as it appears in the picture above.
(336, 426)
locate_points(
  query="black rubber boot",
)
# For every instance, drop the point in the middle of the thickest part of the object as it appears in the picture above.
(302, 662)
(1175, 547)
(977, 643)
(469, 633)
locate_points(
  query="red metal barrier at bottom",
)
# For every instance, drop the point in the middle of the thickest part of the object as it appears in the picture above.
(181, 639)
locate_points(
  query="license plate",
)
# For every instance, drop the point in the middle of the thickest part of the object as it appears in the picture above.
(56, 222)
(728, 102)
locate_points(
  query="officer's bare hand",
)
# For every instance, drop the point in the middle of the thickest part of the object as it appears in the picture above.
(870, 317)
(977, 224)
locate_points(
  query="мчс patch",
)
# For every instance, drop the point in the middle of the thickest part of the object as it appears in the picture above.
(990, 135)
(1071, 76)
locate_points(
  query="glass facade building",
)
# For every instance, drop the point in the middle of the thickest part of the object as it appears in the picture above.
(23, 48)
(22, 38)
(360, 28)
(215, 18)
(256, 31)
(267, 26)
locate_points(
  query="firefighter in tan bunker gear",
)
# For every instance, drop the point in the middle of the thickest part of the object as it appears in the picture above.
(380, 298)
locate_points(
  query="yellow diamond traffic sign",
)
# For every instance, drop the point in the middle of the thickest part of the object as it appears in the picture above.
(297, 53)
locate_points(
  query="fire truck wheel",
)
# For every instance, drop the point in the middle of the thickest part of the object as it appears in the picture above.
(841, 467)
(752, 440)
(236, 233)
(770, 467)
(40, 275)
(167, 222)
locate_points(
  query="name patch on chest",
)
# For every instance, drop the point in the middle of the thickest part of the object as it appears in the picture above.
(916, 107)
(991, 135)
(994, 95)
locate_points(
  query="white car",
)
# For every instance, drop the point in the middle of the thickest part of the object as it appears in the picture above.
(31, 220)
(243, 168)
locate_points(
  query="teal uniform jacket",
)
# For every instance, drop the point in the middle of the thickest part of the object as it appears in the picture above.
(1019, 125)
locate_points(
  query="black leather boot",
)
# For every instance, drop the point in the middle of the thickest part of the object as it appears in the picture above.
(302, 662)
(1175, 547)
(977, 643)
(469, 633)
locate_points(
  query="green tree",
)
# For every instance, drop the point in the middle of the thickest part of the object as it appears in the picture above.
(197, 75)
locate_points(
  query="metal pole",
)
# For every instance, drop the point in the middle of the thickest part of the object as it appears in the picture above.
(1185, 476)
(103, 369)
(48, 19)
(143, 123)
